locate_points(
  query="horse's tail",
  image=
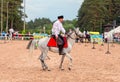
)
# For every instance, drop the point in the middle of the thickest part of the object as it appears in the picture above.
(29, 44)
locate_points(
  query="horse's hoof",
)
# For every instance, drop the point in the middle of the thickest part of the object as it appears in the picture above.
(49, 70)
(62, 69)
(44, 69)
(69, 69)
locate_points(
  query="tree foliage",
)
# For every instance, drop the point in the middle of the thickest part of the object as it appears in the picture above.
(37, 25)
(15, 14)
(95, 13)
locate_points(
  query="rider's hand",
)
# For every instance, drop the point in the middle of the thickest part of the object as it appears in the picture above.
(56, 40)
(63, 35)
(56, 37)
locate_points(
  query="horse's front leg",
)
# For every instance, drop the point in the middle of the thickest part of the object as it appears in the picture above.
(70, 58)
(61, 63)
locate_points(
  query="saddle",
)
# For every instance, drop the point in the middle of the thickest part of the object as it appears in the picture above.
(53, 43)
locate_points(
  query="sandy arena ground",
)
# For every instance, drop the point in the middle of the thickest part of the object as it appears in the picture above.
(17, 65)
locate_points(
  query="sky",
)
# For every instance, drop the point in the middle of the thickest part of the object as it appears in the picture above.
(52, 8)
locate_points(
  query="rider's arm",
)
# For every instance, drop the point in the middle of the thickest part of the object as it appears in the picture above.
(55, 30)
(62, 29)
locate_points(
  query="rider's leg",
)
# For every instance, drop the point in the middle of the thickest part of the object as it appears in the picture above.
(61, 46)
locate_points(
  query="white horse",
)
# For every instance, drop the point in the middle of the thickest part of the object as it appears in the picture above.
(42, 44)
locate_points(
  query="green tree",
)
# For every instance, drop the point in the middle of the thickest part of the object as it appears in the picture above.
(95, 13)
(38, 24)
(15, 14)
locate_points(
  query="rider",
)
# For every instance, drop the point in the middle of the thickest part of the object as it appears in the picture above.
(57, 28)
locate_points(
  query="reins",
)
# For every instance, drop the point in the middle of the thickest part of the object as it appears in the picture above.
(69, 35)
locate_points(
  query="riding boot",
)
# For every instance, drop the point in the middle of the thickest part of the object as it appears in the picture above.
(61, 50)
(60, 43)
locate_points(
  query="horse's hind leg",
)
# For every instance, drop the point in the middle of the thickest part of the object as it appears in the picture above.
(70, 58)
(62, 60)
(42, 59)
(42, 63)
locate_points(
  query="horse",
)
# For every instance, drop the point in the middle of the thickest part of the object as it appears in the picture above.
(42, 45)
(85, 38)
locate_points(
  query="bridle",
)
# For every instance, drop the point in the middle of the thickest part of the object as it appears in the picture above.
(69, 35)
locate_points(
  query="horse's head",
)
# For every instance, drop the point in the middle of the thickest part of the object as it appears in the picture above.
(74, 33)
(77, 32)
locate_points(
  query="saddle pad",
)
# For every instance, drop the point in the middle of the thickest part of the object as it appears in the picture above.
(52, 42)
